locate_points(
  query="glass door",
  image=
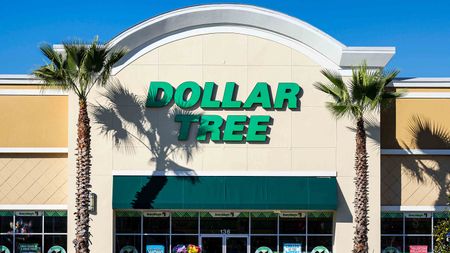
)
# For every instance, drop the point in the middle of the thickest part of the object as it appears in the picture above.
(224, 244)
(236, 244)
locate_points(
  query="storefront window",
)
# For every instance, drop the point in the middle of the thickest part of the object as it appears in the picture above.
(236, 231)
(128, 243)
(185, 223)
(184, 240)
(320, 223)
(156, 241)
(32, 231)
(418, 240)
(392, 242)
(293, 239)
(293, 224)
(264, 223)
(219, 225)
(402, 230)
(392, 223)
(419, 223)
(128, 222)
(156, 225)
(263, 241)
(324, 241)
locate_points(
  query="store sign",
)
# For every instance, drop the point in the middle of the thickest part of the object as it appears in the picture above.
(292, 215)
(156, 214)
(418, 249)
(28, 213)
(224, 214)
(263, 249)
(292, 248)
(154, 249)
(418, 215)
(189, 95)
(56, 249)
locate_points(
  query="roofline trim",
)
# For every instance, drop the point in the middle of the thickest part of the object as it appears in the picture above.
(216, 15)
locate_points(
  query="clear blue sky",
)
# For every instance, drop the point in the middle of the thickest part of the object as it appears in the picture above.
(420, 30)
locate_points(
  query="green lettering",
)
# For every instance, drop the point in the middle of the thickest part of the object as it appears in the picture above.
(210, 124)
(153, 92)
(208, 92)
(287, 92)
(234, 131)
(196, 92)
(228, 100)
(259, 95)
(186, 121)
(258, 132)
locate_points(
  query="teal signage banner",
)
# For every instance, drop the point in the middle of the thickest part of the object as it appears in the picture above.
(224, 192)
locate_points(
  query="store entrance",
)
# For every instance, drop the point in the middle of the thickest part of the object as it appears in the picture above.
(224, 243)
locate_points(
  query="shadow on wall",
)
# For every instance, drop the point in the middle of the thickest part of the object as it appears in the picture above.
(427, 134)
(125, 120)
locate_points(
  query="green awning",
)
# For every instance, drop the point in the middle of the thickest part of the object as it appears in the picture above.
(225, 192)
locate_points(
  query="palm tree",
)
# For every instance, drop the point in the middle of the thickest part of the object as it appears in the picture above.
(78, 68)
(364, 93)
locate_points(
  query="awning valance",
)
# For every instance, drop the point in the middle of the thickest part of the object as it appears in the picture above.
(225, 192)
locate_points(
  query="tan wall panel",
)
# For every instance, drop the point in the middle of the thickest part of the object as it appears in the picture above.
(416, 124)
(33, 179)
(415, 180)
(33, 121)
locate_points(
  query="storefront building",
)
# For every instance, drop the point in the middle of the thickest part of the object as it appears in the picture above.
(250, 161)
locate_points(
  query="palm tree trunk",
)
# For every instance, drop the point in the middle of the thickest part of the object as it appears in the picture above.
(361, 195)
(83, 178)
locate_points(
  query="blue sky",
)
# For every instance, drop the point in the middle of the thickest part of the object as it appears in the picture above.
(420, 30)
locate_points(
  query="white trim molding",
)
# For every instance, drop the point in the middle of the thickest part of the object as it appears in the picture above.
(426, 95)
(34, 92)
(415, 151)
(414, 208)
(32, 207)
(421, 83)
(19, 79)
(34, 150)
(225, 173)
(214, 16)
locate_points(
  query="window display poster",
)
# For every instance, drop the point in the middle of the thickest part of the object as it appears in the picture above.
(4, 249)
(29, 248)
(154, 249)
(56, 249)
(418, 248)
(128, 249)
(292, 248)
(263, 249)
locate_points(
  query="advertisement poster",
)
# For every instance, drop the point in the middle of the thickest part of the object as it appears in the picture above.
(128, 249)
(263, 249)
(4, 249)
(418, 248)
(154, 249)
(29, 248)
(56, 249)
(292, 248)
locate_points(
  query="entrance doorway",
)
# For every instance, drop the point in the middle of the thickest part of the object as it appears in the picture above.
(224, 243)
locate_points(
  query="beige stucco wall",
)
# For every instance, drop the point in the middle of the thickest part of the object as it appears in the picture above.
(415, 180)
(306, 140)
(33, 179)
(33, 121)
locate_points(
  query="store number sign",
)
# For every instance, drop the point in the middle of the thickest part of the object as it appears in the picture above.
(190, 95)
